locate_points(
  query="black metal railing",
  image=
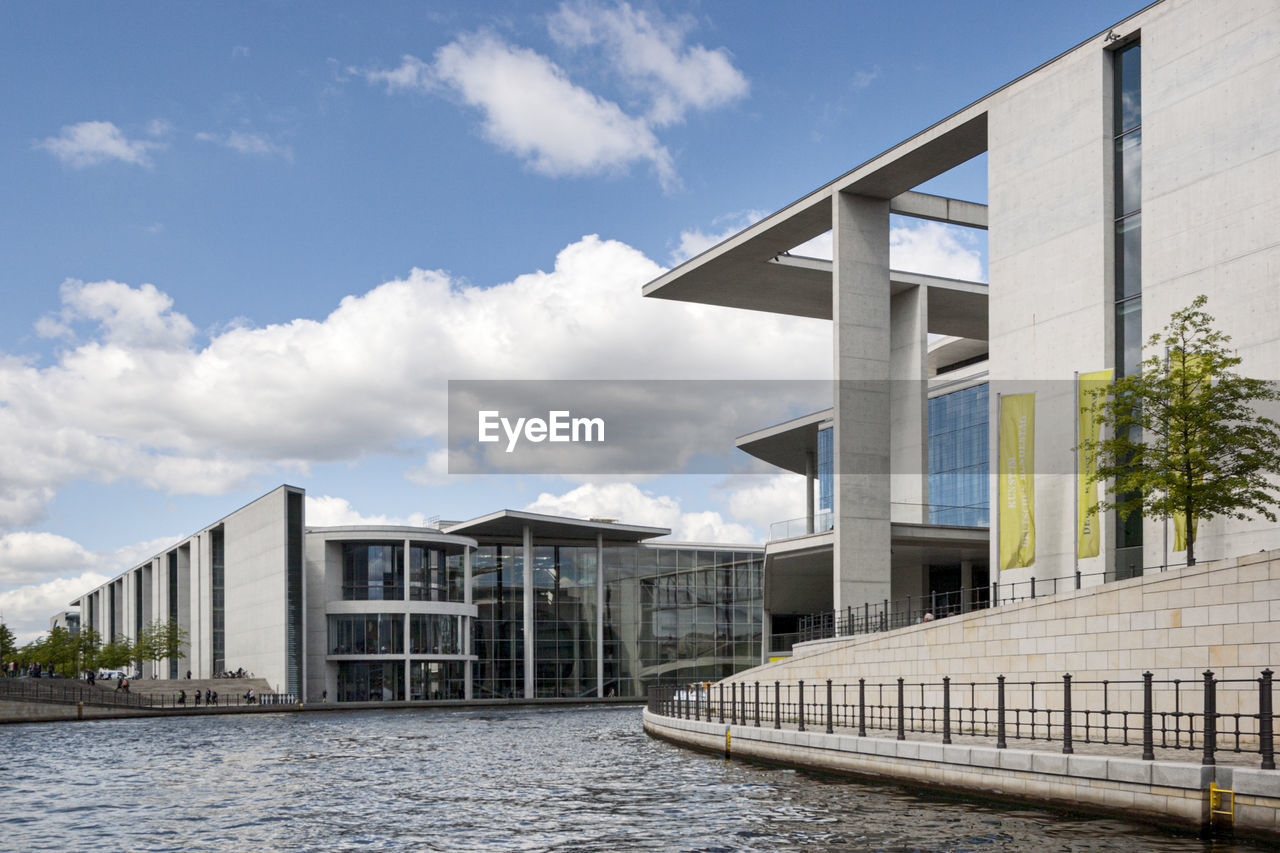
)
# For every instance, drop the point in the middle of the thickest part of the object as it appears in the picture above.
(872, 617)
(66, 692)
(1145, 713)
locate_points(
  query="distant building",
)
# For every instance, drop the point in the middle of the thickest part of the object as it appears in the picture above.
(67, 619)
(508, 605)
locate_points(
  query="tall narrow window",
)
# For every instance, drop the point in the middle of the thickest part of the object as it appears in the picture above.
(173, 605)
(293, 629)
(1128, 259)
(218, 575)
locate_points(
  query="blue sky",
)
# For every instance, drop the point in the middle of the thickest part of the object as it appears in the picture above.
(248, 243)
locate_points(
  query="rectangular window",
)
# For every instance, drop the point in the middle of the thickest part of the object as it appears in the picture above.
(293, 628)
(218, 580)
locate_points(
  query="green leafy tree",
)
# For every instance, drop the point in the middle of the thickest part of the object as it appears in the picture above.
(8, 644)
(88, 644)
(115, 654)
(160, 640)
(1186, 437)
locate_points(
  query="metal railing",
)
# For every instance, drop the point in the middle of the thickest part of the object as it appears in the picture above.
(888, 615)
(60, 692)
(1141, 713)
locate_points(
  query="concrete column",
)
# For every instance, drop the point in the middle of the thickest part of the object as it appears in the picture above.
(126, 587)
(966, 583)
(810, 471)
(909, 405)
(766, 636)
(529, 681)
(861, 319)
(599, 614)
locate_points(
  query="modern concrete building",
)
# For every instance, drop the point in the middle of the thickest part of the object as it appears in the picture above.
(1124, 177)
(508, 605)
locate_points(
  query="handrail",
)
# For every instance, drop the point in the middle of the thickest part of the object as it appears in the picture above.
(1141, 713)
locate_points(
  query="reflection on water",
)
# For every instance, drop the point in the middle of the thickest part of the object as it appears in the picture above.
(518, 779)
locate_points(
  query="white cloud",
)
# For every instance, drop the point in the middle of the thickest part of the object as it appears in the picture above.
(91, 143)
(627, 503)
(932, 248)
(533, 110)
(138, 395)
(650, 54)
(329, 511)
(243, 142)
(412, 75)
(760, 501)
(695, 241)
(46, 571)
(862, 79)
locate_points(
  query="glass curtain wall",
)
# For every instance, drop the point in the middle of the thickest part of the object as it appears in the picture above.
(437, 679)
(564, 580)
(1127, 71)
(958, 458)
(497, 573)
(372, 571)
(366, 634)
(434, 575)
(370, 681)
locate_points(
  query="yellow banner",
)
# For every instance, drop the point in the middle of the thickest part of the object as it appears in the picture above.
(1017, 481)
(1179, 531)
(1088, 522)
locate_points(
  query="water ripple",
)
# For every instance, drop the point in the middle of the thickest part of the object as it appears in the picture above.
(512, 780)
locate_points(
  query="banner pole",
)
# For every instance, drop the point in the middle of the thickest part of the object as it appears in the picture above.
(999, 501)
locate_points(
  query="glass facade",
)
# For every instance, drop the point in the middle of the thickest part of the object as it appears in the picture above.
(372, 571)
(435, 575)
(431, 679)
(564, 613)
(959, 458)
(366, 634)
(826, 470)
(497, 573)
(435, 634)
(371, 681)
(218, 580)
(1127, 94)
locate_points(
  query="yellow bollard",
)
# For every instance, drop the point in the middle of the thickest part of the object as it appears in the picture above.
(727, 741)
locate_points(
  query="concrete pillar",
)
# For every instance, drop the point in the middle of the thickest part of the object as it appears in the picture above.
(599, 614)
(909, 405)
(966, 583)
(766, 636)
(466, 635)
(861, 320)
(529, 636)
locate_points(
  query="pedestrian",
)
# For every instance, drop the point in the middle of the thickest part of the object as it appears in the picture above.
(182, 697)
(208, 697)
(215, 698)
(188, 675)
(324, 696)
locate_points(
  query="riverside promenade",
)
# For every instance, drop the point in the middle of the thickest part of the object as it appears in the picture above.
(1151, 696)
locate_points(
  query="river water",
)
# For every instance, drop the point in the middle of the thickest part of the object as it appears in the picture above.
(494, 779)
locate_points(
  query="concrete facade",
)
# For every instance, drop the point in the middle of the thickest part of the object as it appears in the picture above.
(1203, 189)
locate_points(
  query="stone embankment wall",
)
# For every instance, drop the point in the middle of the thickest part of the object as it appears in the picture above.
(1222, 616)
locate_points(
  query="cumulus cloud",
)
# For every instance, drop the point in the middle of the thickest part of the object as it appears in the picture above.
(560, 127)
(329, 511)
(45, 571)
(91, 143)
(759, 501)
(626, 502)
(695, 241)
(533, 110)
(136, 394)
(245, 142)
(650, 54)
(931, 248)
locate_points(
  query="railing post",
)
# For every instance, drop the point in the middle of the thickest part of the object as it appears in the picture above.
(995, 596)
(848, 620)
(1066, 714)
(757, 704)
(829, 728)
(884, 616)
(721, 703)
(946, 709)
(862, 707)
(908, 619)
(1077, 578)
(1266, 737)
(1033, 586)
(777, 704)
(902, 733)
(1001, 743)
(800, 706)
(866, 617)
(1148, 730)
(1210, 718)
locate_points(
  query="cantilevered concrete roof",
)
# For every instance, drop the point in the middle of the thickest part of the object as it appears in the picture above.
(787, 445)
(511, 523)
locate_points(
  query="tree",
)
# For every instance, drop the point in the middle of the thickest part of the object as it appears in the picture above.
(160, 641)
(8, 644)
(1186, 437)
(115, 654)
